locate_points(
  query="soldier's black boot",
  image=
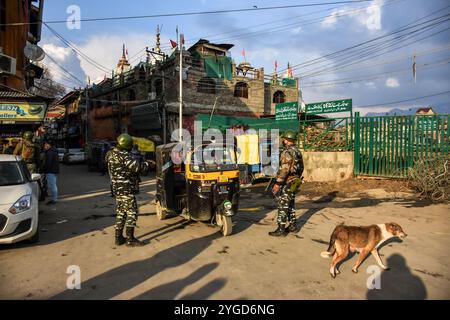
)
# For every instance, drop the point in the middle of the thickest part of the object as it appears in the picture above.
(131, 240)
(293, 227)
(279, 232)
(120, 239)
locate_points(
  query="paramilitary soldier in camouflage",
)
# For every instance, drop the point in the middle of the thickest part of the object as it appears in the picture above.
(287, 183)
(29, 151)
(122, 169)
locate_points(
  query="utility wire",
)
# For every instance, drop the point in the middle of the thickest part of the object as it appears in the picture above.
(77, 50)
(406, 100)
(65, 70)
(191, 13)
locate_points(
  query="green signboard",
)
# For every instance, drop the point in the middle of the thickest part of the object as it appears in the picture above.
(329, 106)
(286, 111)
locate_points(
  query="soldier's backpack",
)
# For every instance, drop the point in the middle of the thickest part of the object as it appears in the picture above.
(28, 151)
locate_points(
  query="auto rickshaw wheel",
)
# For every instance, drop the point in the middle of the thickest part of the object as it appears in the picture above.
(161, 214)
(225, 223)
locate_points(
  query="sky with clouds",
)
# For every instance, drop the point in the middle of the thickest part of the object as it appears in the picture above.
(294, 35)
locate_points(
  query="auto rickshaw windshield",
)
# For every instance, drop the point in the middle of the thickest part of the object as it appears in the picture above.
(213, 158)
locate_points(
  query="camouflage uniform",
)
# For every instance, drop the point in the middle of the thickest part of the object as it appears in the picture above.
(122, 169)
(290, 170)
(29, 151)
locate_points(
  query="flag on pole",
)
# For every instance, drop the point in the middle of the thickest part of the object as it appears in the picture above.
(243, 53)
(289, 71)
(173, 44)
(276, 66)
(414, 68)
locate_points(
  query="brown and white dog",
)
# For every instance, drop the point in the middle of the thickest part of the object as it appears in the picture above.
(364, 240)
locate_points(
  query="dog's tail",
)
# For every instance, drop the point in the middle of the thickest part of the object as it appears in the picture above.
(331, 248)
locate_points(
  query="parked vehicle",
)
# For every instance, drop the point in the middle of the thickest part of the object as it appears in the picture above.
(19, 201)
(202, 189)
(74, 156)
(61, 152)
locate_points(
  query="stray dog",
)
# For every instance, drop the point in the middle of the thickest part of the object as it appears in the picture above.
(364, 240)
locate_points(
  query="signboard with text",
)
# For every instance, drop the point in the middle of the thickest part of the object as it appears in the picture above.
(329, 107)
(12, 112)
(286, 111)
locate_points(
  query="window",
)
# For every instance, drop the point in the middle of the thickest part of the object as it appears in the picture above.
(279, 97)
(206, 85)
(131, 95)
(241, 90)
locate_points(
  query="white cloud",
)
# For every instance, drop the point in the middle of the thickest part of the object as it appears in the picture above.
(107, 50)
(370, 18)
(371, 85)
(296, 30)
(60, 54)
(392, 83)
(330, 20)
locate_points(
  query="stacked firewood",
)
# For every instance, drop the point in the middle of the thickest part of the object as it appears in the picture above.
(431, 178)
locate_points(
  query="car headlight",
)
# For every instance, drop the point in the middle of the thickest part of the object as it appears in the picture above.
(21, 205)
(227, 205)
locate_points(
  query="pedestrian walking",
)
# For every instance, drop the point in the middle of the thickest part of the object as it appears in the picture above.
(287, 183)
(51, 170)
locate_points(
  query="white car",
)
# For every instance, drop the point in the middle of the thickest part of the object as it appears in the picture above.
(19, 197)
(61, 152)
(74, 156)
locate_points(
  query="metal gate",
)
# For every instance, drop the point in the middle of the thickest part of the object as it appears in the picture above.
(389, 145)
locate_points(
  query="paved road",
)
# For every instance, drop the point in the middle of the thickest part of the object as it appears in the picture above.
(193, 261)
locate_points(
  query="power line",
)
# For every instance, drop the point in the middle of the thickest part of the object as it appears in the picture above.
(363, 56)
(373, 77)
(64, 69)
(342, 51)
(344, 69)
(77, 51)
(191, 13)
(407, 100)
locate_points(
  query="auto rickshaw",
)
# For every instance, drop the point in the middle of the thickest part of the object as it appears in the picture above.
(204, 187)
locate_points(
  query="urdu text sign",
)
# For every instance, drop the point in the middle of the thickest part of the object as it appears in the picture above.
(286, 111)
(329, 106)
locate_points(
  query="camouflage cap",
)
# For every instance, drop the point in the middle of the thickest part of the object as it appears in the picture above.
(289, 135)
(28, 135)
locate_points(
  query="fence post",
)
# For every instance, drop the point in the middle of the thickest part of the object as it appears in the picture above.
(356, 150)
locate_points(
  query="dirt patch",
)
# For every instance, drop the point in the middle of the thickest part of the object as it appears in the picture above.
(344, 188)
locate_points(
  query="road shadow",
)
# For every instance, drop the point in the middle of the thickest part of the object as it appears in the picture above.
(326, 199)
(125, 277)
(398, 283)
(169, 291)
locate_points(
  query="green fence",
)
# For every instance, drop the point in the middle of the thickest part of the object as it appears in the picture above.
(389, 145)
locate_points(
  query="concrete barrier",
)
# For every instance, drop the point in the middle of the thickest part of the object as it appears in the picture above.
(327, 166)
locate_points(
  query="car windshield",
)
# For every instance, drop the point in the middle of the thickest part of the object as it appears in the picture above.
(11, 173)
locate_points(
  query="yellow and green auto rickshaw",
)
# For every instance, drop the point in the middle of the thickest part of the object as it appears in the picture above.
(203, 187)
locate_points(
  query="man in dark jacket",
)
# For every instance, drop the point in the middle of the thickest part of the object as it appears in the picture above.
(51, 170)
